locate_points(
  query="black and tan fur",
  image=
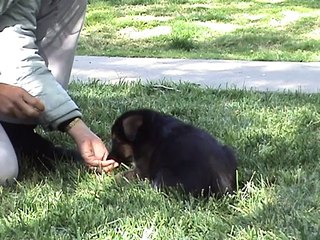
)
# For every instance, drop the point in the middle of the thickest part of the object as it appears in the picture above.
(172, 153)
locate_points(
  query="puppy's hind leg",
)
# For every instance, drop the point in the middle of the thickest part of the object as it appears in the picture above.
(224, 174)
(166, 181)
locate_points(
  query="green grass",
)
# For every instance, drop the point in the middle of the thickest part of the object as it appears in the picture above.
(276, 137)
(278, 30)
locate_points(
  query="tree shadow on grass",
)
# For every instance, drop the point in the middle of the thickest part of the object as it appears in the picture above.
(289, 209)
(304, 3)
(273, 42)
(289, 3)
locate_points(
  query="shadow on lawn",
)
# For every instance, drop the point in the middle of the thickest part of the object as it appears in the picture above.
(225, 115)
(289, 3)
(262, 39)
(303, 3)
(293, 212)
(289, 161)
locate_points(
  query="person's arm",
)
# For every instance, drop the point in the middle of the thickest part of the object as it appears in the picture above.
(4, 5)
(22, 66)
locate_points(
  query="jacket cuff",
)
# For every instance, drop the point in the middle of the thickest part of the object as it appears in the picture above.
(55, 125)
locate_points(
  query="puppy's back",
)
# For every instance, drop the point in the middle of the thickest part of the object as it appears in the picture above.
(191, 157)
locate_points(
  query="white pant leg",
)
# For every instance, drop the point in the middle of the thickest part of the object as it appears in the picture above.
(59, 23)
(8, 160)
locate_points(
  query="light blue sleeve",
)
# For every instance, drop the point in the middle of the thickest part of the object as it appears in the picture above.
(21, 65)
(4, 5)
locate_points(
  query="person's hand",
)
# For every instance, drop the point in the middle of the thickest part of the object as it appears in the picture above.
(91, 148)
(18, 103)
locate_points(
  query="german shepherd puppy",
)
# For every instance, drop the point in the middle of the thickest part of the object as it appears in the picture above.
(172, 153)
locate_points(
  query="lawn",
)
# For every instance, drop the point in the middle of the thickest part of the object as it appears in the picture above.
(280, 30)
(275, 136)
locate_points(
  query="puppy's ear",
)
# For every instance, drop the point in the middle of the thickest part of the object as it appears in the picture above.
(131, 125)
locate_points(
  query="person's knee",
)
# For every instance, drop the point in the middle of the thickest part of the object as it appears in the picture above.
(8, 169)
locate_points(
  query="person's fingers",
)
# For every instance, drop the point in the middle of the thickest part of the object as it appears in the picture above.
(110, 167)
(96, 169)
(105, 156)
(27, 110)
(106, 169)
(101, 164)
(94, 152)
(33, 102)
(100, 149)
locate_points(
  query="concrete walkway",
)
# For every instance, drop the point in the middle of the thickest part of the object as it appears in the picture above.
(271, 76)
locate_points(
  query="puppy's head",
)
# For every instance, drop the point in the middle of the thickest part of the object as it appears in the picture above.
(124, 132)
